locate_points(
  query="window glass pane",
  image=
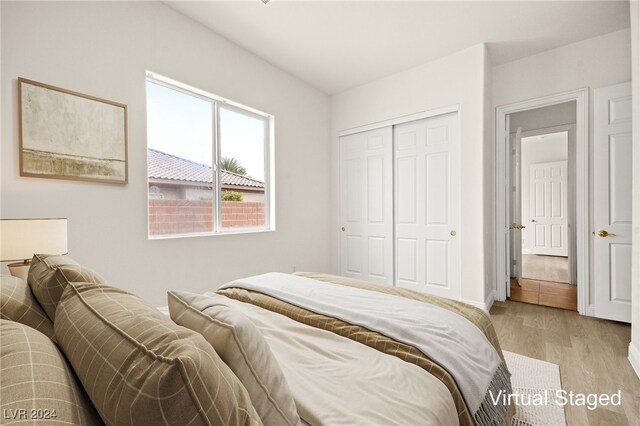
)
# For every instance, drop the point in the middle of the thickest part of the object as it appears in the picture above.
(242, 174)
(180, 146)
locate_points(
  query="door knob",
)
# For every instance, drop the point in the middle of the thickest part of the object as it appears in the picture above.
(533, 220)
(602, 233)
(453, 233)
(343, 229)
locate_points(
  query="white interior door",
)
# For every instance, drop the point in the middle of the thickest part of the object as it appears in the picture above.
(548, 208)
(516, 206)
(507, 199)
(366, 205)
(612, 202)
(427, 190)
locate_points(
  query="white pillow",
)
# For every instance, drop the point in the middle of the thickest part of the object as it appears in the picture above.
(241, 346)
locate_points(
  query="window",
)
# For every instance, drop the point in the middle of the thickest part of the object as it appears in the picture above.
(208, 163)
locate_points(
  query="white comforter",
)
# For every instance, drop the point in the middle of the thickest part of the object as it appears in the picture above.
(336, 381)
(454, 342)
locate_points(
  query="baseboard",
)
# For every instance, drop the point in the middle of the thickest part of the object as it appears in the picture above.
(634, 358)
(591, 310)
(486, 305)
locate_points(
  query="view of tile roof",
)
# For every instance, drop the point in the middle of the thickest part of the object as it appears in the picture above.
(161, 165)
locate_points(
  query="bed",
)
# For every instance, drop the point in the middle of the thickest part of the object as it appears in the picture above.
(274, 349)
(354, 352)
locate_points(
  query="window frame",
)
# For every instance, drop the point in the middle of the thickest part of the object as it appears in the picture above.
(218, 102)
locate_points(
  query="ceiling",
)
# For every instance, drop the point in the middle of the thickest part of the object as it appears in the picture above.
(337, 45)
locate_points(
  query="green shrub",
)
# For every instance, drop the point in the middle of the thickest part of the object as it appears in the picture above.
(231, 196)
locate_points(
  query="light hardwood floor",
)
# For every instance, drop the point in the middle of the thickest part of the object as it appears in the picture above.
(592, 354)
(546, 268)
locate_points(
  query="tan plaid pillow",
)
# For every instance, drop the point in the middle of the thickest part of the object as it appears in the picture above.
(241, 346)
(47, 285)
(18, 304)
(140, 368)
(37, 386)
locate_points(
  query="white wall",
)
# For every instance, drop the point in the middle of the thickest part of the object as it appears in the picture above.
(634, 347)
(456, 79)
(592, 63)
(537, 149)
(103, 49)
(489, 183)
(595, 62)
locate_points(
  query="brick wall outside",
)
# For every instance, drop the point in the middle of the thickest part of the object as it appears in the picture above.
(185, 216)
(241, 213)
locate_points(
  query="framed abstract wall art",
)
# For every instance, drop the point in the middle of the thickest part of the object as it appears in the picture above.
(70, 135)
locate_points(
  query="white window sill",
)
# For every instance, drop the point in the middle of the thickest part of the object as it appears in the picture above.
(213, 234)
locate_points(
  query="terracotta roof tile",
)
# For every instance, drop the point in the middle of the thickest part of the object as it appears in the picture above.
(161, 165)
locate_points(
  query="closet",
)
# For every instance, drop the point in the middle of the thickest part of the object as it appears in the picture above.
(400, 204)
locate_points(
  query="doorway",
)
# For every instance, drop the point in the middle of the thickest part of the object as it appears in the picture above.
(543, 259)
(554, 244)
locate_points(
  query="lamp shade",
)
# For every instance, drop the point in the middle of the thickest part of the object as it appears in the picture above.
(20, 239)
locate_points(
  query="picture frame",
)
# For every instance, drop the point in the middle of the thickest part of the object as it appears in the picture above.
(70, 135)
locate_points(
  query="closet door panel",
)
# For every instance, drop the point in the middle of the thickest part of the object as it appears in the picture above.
(377, 259)
(354, 191)
(366, 212)
(406, 190)
(437, 261)
(407, 260)
(375, 189)
(409, 178)
(354, 254)
(435, 191)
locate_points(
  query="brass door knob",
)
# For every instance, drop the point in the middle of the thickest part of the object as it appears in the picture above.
(453, 233)
(533, 220)
(343, 229)
(602, 233)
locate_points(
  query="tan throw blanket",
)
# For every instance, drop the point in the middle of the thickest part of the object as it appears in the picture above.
(387, 344)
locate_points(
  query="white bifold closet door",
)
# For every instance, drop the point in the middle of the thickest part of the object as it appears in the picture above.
(427, 206)
(400, 205)
(366, 204)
